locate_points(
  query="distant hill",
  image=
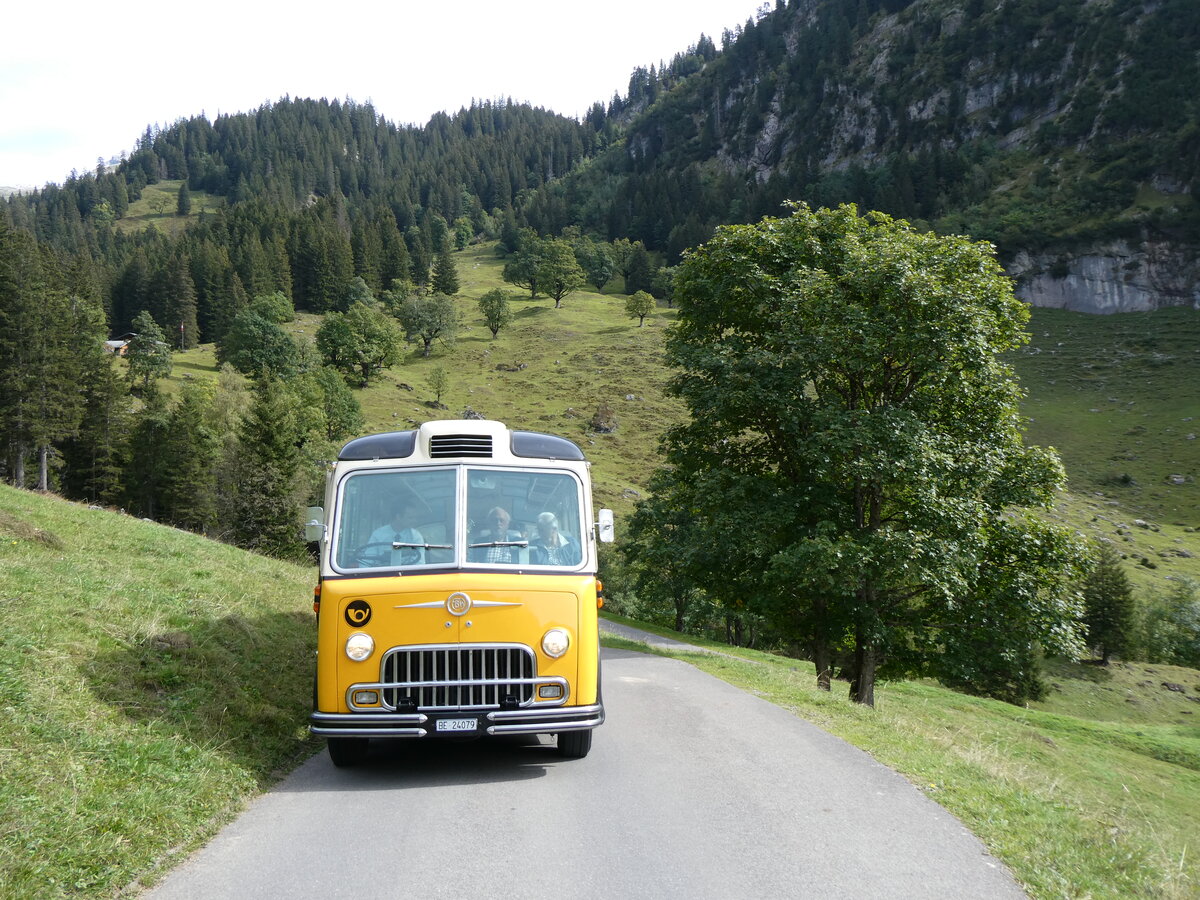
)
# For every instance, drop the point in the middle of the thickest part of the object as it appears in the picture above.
(1065, 131)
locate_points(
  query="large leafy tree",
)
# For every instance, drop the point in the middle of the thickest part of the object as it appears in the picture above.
(254, 344)
(523, 268)
(428, 318)
(857, 442)
(558, 272)
(496, 310)
(360, 343)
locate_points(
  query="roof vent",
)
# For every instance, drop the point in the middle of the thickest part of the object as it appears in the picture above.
(444, 445)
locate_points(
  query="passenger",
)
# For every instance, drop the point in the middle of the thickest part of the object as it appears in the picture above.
(551, 547)
(497, 531)
(398, 531)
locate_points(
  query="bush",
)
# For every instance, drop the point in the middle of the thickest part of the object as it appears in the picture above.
(1168, 626)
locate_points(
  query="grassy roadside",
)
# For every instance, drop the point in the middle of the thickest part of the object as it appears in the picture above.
(151, 681)
(1076, 805)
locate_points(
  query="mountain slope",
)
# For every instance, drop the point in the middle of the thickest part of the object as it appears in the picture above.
(1066, 132)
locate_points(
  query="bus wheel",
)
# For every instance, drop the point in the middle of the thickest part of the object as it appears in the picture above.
(574, 744)
(347, 751)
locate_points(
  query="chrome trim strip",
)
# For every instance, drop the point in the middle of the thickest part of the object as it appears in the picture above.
(440, 604)
(321, 718)
(368, 732)
(545, 727)
(595, 709)
(534, 704)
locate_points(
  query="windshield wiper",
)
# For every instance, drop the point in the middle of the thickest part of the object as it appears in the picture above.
(500, 544)
(399, 545)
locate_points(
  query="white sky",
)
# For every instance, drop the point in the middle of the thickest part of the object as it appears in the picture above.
(82, 81)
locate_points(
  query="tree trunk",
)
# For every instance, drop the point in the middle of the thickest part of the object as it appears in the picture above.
(43, 467)
(862, 688)
(18, 465)
(823, 660)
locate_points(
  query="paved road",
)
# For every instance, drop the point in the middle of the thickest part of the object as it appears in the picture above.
(693, 789)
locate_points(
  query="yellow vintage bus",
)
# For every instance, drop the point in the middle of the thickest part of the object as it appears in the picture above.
(457, 593)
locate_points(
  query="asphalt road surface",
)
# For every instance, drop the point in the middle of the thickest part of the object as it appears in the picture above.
(693, 789)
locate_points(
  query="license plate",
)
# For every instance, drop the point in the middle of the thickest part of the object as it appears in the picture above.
(457, 724)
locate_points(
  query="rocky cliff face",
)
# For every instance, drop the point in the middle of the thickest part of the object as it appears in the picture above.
(1116, 277)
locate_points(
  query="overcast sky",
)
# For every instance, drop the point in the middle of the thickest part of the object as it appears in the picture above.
(82, 81)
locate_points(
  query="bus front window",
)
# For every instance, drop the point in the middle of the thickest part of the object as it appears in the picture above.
(397, 520)
(524, 518)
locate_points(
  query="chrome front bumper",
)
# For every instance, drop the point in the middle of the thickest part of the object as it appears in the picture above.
(492, 722)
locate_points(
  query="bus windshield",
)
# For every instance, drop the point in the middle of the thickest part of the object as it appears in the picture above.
(460, 516)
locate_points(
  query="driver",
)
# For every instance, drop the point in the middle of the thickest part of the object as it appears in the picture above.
(398, 530)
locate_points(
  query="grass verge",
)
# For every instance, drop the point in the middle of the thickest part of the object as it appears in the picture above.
(1074, 806)
(151, 681)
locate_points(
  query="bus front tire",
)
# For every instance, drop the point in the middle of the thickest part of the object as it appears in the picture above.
(574, 744)
(347, 751)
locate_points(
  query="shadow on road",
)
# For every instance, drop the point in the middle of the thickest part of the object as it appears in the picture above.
(401, 763)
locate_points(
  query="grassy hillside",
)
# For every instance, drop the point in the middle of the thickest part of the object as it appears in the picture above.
(150, 682)
(1113, 394)
(1092, 802)
(156, 208)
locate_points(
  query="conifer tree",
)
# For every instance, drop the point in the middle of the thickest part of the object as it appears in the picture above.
(47, 338)
(96, 457)
(147, 469)
(265, 499)
(190, 454)
(445, 273)
(1108, 604)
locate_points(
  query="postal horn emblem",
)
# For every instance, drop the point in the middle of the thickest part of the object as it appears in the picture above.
(458, 604)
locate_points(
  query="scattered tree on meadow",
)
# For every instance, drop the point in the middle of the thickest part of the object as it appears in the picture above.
(148, 353)
(183, 203)
(858, 446)
(428, 318)
(494, 306)
(253, 345)
(638, 306)
(440, 382)
(1108, 604)
(523, 267)
(558, 273)
(360, 343)
(595, 260)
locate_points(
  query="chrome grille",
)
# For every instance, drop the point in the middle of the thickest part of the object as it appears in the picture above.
(458, 676)
(443, 445)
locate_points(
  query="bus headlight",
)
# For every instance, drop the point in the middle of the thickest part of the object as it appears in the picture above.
(555, 642)
(359, 646)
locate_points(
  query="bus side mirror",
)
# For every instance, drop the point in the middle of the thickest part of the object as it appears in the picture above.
(605, 526)
(314, 524)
